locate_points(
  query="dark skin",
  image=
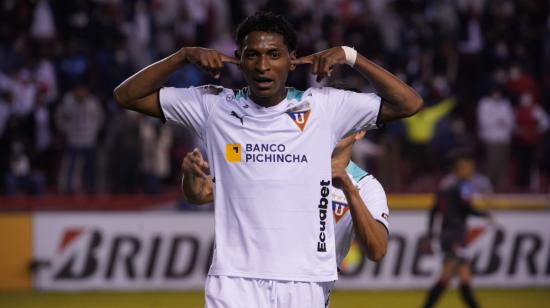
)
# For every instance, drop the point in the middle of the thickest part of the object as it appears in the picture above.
(196, 184)
(265, 62)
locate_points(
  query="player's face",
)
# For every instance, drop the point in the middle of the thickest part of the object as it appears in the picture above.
(465, 168)
(265, 62)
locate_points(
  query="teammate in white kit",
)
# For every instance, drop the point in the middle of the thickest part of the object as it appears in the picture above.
(269, 150)
(360, 207)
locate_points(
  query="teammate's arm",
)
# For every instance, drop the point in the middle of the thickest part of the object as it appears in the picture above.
(139, 91)
(196, 185)
(398, 99)
(371, 233)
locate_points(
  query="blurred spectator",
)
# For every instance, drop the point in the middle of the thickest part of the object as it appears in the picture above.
(23, 87)
(363, 149)
(532, 123)
(43, 25)
(419, 133)
(79, 118)
(73, 66)
(389, 167)
(495, 125)
(451, 134)
(520, 81)
(20, 176)
(46, 80)
(42, 158)
(124, 152)
(156, 141)
(442, 48)
(5, 111)
(139, 29)
(5, 119)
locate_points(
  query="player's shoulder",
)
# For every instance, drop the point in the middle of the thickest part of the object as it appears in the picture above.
(330, 95)
(217, 96)
(207, 90)
(448, 182)
(465, 186)
(370, 184)
(213, 90)
(364, 180)
(324, 91)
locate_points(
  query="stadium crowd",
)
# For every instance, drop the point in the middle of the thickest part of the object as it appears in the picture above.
(482, 67)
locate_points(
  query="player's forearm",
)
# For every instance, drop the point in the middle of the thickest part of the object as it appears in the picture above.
(367, 230)
(476, 212)
(148, 80)
(401, 98)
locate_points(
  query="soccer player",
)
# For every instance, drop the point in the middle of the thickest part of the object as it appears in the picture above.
(359, 206)
(269, 150)
(454, 204)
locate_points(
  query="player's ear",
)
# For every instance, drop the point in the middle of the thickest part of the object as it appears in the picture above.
(238, 56)
(292, 58)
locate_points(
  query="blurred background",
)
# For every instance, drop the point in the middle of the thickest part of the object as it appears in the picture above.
(66, 148)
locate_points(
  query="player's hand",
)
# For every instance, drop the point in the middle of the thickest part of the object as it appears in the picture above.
(323, 62)
(340, 178)
(194, 165)
(209, 60)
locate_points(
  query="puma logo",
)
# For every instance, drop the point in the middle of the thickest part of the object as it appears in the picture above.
(233, 113)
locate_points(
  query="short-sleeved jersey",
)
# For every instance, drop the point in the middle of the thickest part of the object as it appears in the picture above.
(271, 172)
(373, 196)
(454, 202)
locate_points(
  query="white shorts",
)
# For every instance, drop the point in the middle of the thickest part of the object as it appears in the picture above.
(238, 292)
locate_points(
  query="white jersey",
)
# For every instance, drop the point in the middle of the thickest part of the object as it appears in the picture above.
(272, 172)
(373, 196)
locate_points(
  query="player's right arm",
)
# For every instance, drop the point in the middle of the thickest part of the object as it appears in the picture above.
(431, 216)
(368, 231)
(140, 91)
(196, 185)
(426, 241)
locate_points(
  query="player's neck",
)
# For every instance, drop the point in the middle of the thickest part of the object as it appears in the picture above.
(269, 101)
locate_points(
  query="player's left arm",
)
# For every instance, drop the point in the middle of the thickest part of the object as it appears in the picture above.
(370, 232)
(398, 99)
(467, 196)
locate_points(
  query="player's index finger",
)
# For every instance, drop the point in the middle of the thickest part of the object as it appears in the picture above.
(199, 172)
(197, 154)
(304, 60)
(227, 59)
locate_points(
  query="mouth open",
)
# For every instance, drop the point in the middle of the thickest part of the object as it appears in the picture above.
(263, 83)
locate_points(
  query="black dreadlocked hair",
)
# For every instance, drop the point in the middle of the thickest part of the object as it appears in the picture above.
(267, 22)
